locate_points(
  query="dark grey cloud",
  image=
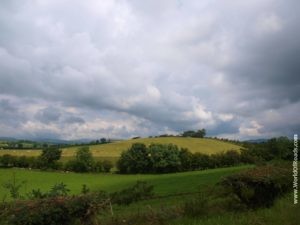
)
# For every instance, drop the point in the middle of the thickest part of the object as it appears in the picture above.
(10, 114)
(74, 119)
(79, 69)
(48, 115)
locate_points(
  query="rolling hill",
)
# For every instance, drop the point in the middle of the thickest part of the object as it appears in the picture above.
(113, 150)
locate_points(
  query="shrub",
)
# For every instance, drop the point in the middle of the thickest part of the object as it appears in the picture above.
(76, 166)
(58, 210)
(201, 161)
(56, 191)
(97, 167)
(231, 158)
(196, 207)
(259, 187)
(84, 161)
(141, 190)
(14, 187)
(7, 161)
(107, 166)
(186, 159)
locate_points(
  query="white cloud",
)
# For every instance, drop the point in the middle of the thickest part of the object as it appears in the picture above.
(135, 67)
(269, 23)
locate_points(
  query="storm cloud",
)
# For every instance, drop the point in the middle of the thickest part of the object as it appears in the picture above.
(118, 69)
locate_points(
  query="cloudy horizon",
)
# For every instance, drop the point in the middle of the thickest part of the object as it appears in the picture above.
(119, 69)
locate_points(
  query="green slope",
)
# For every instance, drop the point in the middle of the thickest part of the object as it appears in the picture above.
(163, 184)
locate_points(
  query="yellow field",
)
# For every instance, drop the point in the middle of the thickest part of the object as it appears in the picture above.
(113, 150)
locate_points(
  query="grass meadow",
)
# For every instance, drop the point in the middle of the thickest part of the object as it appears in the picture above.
(164, 184)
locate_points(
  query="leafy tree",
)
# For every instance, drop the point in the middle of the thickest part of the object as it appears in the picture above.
(134, 160)
(200, 133)
(189, 133)
(164, 158)
(83, 154)
(84, 161)
(50, 155)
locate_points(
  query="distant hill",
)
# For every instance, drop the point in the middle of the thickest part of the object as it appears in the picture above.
(47, 140)
(114, 150)
(8, 139)
(203, 145)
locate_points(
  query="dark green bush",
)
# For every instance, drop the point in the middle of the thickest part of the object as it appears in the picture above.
(84, 161)
(196, 207)
(56, 211)
(259, 187)
(135, 160)
(186, 159)
(201, 161)
(107, 166)
(7, 161)
(141, 190)
(76, 166)
(58, 190)
(97, 167)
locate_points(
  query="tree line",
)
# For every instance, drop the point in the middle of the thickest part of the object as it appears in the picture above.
(159, 158)
(49, 159)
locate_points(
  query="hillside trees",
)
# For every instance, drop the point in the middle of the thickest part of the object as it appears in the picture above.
(168, 158)
(198, 134)
(157, 158)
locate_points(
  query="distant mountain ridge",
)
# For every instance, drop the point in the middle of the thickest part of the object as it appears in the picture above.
(262, 140)
(47, 140)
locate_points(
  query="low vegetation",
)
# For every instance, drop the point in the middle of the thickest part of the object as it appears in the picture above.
(58, 207)
(259, 187)
(156, 193)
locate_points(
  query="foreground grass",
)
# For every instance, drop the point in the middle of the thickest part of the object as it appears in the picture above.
(163, 184)
(113, 150)
(283, 212)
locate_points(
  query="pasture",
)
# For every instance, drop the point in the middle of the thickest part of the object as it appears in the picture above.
(113, 150)
(164, 184)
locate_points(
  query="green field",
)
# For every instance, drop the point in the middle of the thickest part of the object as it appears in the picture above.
(112, 151)
(163, 184)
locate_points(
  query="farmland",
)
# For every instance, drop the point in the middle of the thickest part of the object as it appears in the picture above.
(172, 192)
(163, 184)
(113, 150)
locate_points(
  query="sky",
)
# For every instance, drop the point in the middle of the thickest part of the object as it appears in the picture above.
(72, 69)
